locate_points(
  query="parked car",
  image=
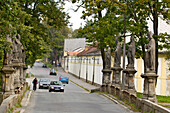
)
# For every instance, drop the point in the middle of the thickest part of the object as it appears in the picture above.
(56, 86)
(44, 66)
(53, 72)
(44, 83)
(64, 79)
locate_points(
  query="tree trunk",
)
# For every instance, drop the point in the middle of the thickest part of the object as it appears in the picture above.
(155, 27)
(103, 57)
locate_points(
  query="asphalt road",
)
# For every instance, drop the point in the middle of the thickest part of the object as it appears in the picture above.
(73, 100)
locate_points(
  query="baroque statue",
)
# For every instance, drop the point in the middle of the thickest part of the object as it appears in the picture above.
(108, 58)
(150, 54)
(117, 57)
(131, 53)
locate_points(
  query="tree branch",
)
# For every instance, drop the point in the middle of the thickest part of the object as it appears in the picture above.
(78, 6)
(150, 8)
(151, 18)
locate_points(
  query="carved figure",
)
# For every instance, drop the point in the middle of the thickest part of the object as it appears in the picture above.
(150, 54)
(18, 48)
(131, 53)
(9, 55)
(117, 58)
(108, 58)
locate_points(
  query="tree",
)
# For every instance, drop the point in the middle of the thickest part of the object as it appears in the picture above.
(139, 12)
(102, 28)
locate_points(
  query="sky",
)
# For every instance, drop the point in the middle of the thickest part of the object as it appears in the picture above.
(75, 19)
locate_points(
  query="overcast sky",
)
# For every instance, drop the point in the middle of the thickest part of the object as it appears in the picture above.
(75, 16)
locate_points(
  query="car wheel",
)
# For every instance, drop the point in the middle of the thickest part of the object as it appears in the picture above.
(67, 82)
(49, 90)
(39, 87)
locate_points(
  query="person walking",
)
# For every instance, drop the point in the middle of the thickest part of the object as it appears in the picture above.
(35, 82)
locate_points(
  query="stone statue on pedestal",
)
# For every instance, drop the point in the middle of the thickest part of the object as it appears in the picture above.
(131, 53)
(150, 76)
(117, 58)
(150, 54)
(108, 58)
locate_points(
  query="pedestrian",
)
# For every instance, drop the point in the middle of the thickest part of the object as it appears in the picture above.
(35, 82)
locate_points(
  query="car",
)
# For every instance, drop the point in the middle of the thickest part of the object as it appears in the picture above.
(44, 83)
(44, 66)
(38, 60)
(56, 86)
(64, 79)
(53, 72)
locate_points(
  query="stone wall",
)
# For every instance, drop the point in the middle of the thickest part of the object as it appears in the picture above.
(143, 104)
(10, 101)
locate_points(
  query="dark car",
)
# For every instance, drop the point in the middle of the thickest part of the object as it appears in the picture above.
(53, 72)
(56, 86)
(64, 79)
(44, 66)
(44, 83)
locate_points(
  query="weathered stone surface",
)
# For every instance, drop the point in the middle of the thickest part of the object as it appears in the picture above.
(130, 72)
(14, 67)
(150, 54)
(131, 53)
(117, 56)
(116, 75)
(149, 86)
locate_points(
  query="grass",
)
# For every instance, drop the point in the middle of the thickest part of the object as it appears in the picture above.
(167, 106)
(80, 86)
(27, 75)
(10, 110)
(18, 105)
(161, 99)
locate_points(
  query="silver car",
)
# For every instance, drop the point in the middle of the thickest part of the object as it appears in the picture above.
(56, 86)
(44, 83)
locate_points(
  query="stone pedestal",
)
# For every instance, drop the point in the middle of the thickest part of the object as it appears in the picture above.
(116, 76)
(8, 80)
(149, 86)
(106, 80)
(17, 65)
(129, 78)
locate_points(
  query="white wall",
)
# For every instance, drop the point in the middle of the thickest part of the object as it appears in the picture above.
(75, 65)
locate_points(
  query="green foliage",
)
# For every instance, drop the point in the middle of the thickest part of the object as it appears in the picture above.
(164, 99)
(124, 16)
(28, 76)
(139, 95)
(29, 19)
(18, 105)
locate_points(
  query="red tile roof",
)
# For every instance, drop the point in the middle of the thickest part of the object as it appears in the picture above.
(90, 49)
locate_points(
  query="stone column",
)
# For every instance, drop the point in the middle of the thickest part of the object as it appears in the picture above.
(106, 80)
(17, 66)
(8, 80)
(130, 73)
(149, 86)
(116, 83)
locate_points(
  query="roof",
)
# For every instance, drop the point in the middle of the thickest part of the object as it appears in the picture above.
(72, 44)
(89, 51)
(73, 53)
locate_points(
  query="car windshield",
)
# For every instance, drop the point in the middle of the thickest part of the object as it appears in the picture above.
(44, 80)
(53, 70)
(55, 83)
